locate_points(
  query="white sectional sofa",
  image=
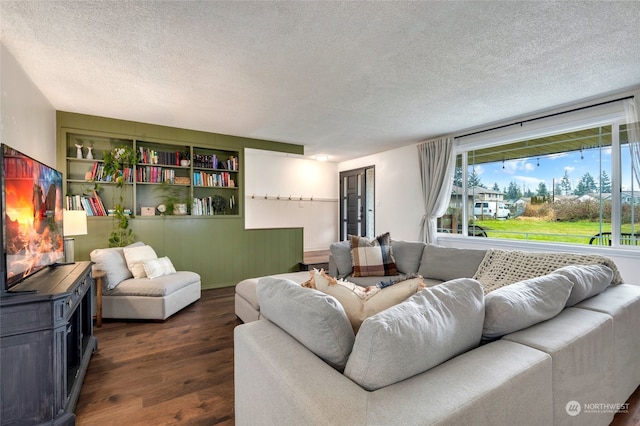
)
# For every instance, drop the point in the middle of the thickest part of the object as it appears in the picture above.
(425, 362)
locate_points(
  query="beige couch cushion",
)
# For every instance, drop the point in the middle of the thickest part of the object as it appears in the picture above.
(520, 305)
(359, 302)
(426, 330)
(447, 263)
(160, 286)
(315, 319)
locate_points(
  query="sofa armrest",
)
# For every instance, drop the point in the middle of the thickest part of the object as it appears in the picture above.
(278, 381)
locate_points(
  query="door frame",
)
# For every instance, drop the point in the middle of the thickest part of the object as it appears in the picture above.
(367, 227)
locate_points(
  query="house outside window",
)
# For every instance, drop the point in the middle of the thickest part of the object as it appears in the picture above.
(559, 187)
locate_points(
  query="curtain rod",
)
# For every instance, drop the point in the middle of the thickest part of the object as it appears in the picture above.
(544, 116)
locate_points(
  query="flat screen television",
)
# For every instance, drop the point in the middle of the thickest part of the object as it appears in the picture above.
(32, 234)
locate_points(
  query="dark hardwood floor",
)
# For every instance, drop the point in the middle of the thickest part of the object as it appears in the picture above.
(158, 373)
(179, 371)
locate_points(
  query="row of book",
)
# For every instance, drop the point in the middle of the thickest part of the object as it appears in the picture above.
(151, 156)
(207, 206)
(155, 174)
(92, 205)
(212, 161)
(98, 174)
(213, 179)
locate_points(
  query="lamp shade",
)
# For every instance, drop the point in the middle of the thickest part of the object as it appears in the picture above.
(74, 222)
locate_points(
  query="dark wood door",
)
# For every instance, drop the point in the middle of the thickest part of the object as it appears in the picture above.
(356, 202)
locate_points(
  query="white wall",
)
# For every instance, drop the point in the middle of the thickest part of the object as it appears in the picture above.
(398, 206)
(274, 174)
(28, 119)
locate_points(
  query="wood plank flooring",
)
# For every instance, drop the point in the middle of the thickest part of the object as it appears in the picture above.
(176, 372)
(179, 372)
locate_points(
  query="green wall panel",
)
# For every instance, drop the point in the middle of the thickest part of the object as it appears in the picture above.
(218, 248)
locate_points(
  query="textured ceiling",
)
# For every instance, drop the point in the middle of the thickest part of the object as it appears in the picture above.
(342, 78)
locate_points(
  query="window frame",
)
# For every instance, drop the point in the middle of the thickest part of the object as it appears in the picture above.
(605, 114)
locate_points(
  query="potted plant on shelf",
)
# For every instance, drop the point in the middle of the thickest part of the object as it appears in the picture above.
(185, 158)
(175, 199)
(116, 163)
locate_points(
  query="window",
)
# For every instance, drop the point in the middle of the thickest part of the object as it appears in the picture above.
(555, 186)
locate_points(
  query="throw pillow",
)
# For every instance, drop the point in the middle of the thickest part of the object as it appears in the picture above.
(341, 254)
(113, 263)
(359, 302)
(520, 305)
(315, 319)
(588, 280)
(135, 256)
(407, 255)
(426, 330)
(155, 268)
(372, 257)
(448, 263)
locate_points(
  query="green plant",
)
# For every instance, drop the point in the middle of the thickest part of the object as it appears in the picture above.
(172, 195)
(116, 163)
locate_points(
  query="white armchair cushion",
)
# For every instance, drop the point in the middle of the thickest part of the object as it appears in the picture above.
(155, 268)
(112, 262)
(135, 257)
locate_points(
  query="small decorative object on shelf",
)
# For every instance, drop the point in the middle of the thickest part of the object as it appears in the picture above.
(147, 211)
(161, 209)
(180, 209)
(89, 153)
(78, 150)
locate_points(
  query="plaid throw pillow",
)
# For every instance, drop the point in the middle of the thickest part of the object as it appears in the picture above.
(372, 257)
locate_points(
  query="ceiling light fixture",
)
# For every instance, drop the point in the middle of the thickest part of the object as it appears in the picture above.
(322, 157)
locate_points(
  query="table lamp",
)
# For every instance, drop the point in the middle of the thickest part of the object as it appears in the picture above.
(74, 223)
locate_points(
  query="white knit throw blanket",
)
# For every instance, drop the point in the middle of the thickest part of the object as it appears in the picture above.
(503, 267)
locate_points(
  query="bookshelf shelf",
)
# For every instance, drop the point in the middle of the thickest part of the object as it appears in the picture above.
(195, 175)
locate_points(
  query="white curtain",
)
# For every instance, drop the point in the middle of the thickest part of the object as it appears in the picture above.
(633, 132)
(437, 165)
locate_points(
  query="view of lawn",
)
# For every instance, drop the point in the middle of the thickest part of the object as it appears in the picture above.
(533, 229)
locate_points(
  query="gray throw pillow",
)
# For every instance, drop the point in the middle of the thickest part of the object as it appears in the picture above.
(407, 255)
(341, 252)
(520, 305)
(426, 330)
(447, 263)
(315, 319)
(588, 280)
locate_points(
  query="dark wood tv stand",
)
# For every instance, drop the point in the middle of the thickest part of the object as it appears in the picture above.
(46, 342)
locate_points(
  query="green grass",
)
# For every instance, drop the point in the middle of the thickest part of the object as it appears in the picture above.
(541, 230)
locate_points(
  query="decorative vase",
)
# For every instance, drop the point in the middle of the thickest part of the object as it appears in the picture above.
(78, 151)
(180, 209)
(90, 153)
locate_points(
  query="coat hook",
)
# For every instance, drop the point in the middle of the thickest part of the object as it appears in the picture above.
(301, 198)
(266, 197)
(278, 197)
(253, 196)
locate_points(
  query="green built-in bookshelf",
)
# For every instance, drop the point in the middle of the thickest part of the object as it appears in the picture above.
(215, 245)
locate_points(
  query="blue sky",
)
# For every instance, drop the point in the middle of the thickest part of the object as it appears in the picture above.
(529, 172)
